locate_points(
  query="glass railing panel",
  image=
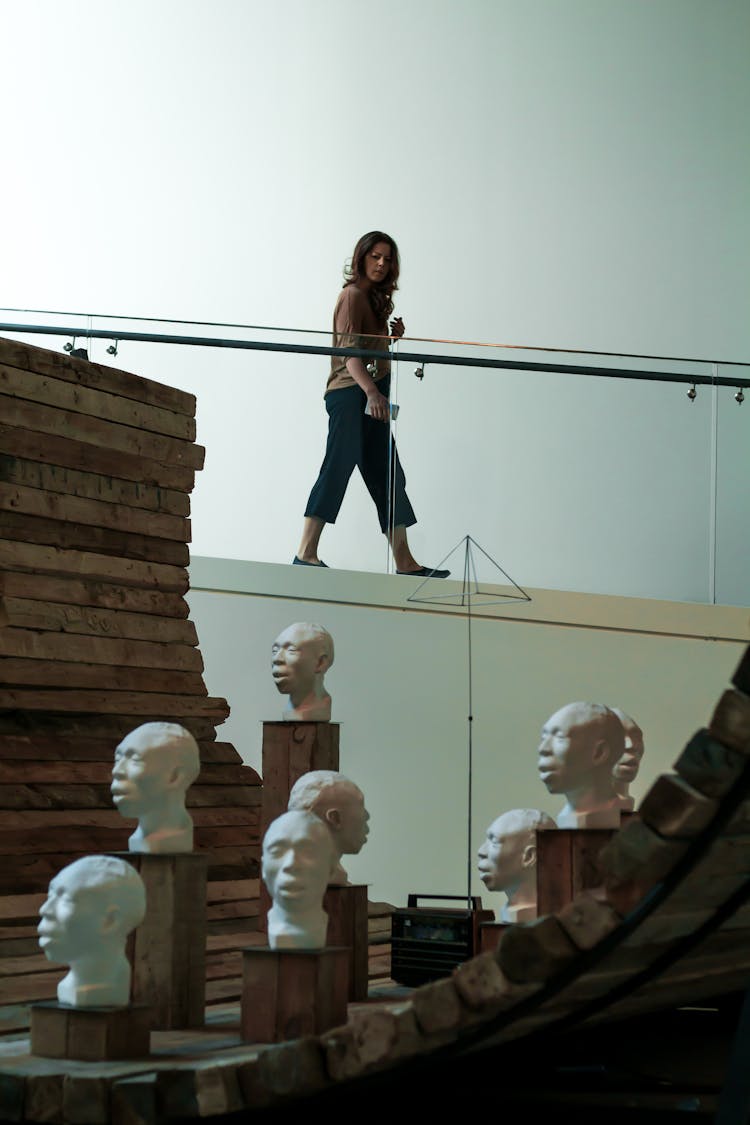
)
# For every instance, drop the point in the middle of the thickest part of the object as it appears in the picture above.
(732, 498)
(590, 482)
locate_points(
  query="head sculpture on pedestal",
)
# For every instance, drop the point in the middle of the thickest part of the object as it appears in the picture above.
(91, 907)
(300, 658)
(579, 746)
(507, 860)
(154, 767)
(626, 767)
(297, 861)
(340, 804)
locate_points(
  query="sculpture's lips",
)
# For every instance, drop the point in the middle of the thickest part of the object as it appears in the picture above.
(46, 933)
(291, 889)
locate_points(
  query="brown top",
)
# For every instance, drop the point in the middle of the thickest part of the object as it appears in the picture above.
(355, 325)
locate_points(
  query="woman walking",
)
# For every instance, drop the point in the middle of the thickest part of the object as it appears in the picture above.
(357, 402)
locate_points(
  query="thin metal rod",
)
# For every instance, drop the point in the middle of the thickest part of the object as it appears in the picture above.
(367, 353)
(713, 499)
(467, 587)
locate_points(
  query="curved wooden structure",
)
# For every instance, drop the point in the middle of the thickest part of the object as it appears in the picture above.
(667, 925)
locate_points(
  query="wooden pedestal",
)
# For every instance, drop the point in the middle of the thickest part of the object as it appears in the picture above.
(90, 1034)
(289, 993)
(566, 863)
(347, 925)
(168, 950)
(289, 750)
(489, 936)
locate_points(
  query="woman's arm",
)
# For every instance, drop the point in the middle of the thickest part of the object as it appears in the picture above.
(379, 408)
(349, 323)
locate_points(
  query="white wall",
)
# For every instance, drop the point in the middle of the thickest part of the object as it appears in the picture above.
(400, 692)
(570, 174)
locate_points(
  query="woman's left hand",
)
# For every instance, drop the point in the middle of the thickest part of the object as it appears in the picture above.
(397, 327)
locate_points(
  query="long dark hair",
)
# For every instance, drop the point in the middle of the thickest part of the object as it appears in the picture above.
(380, 293)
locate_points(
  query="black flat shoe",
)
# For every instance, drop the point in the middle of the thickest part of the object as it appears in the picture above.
(301, 562)
(425, 572)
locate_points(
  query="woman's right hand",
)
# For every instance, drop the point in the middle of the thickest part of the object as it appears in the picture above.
(378, 404)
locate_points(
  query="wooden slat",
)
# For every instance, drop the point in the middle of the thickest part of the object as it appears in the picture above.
(99, 650)
(69, 453)
(31, 558)
(39, 747)
(27, 468)
(53, 673)
(219, 796)
(80, 537)
(41, 819)
(26, 613)
(41, 841)
(33, 387)
(94, 513)
(99, 595)
(113, 702)
(62, 366)
(37, 986)
(33, 872)
(70, 724)
(101, 433)
(73, 797)
(94, 773)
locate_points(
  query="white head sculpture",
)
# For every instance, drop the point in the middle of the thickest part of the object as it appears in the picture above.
(579, 747)
(507, 860)
(91, 907)
(341, 805)
(154, 767)
(300, 657)
(297, 861)
(626, 767)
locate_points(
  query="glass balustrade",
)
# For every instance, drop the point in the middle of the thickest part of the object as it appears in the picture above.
(605, 474)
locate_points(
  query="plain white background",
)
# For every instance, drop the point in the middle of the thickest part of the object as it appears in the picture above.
(558, 173)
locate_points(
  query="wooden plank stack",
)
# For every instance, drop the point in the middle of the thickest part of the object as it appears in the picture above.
(96, 468)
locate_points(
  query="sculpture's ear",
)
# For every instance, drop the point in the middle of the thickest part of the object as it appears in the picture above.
(333, 818)
(111, 920)
(601, 752)
(322, 664)
(175, 777)
(528, 856)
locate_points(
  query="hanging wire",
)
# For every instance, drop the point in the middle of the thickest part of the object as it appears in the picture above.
(392, 425)
(714, 486)
(470, 798)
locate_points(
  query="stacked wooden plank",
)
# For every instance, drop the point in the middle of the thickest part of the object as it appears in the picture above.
(96, 468)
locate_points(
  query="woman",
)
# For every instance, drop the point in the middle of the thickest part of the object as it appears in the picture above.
(357, 403)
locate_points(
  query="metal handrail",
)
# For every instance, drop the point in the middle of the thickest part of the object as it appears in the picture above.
(420, 358)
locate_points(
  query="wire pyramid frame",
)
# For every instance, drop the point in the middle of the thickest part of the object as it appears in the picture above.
(471, 592)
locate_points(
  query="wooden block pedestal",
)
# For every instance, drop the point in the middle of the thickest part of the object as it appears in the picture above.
(288, 993)
(347, 925)
(168, 950)
(566, 863)
(59, 1031)
(289, 750)
(490, 934)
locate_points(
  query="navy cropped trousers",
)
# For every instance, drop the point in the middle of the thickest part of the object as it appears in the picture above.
(357, 440)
